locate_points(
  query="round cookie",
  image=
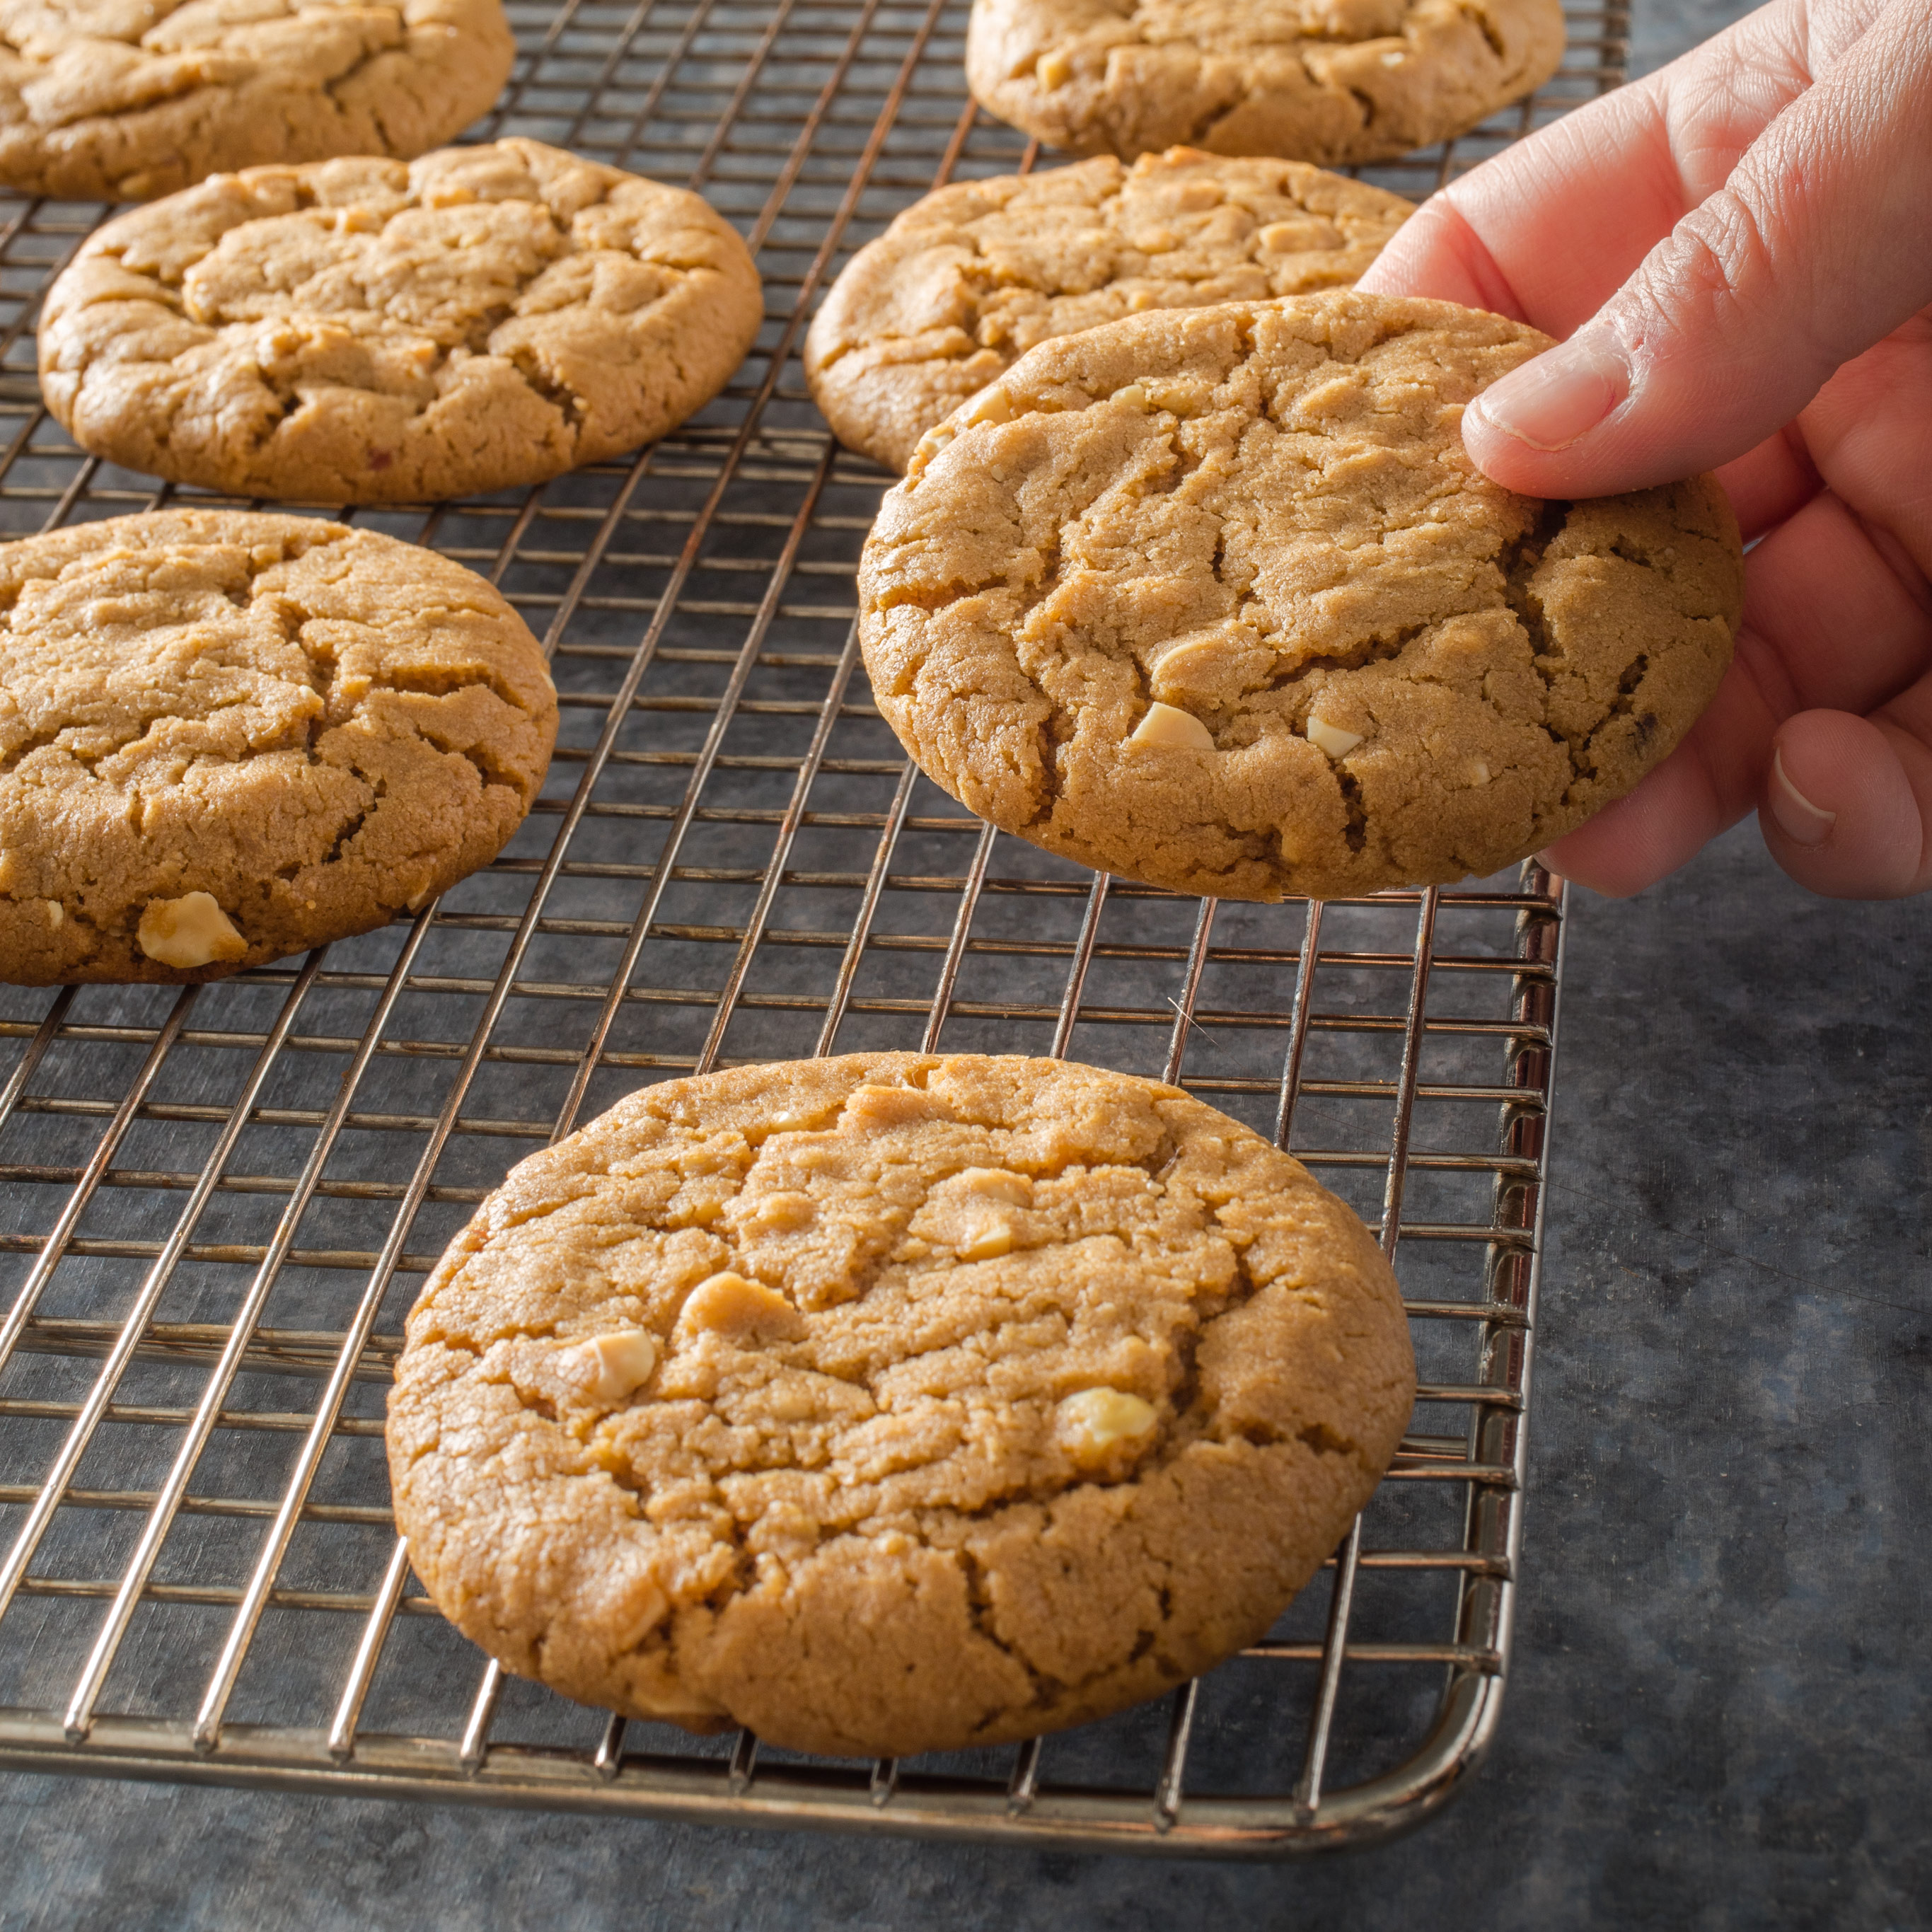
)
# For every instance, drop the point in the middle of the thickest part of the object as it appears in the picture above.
(225, 737)
(968, 279)
(1214, 598)
(124, 99)
(1331, 81)
(892, 1403)
(363, 332)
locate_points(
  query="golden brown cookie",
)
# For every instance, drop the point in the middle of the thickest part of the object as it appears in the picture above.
(226, 737)
(1215, 598)
(892, 1403)
(124, 100)
(363, 332)
(1332, 81)
(967, 279)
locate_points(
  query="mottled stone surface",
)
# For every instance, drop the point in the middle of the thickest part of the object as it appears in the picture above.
(1721, 1702)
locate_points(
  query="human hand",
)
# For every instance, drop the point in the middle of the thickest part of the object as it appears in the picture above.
(1738, 249)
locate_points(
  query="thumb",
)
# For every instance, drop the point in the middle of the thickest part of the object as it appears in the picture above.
(1813, 250)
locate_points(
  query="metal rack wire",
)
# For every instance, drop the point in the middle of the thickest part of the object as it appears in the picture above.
(218, 1201)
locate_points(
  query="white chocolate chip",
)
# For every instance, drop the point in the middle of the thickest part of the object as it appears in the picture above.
(1206, 669)
(995, 1183)
(782, 1213)
(1132, 395)
(1393, 59)
(872, 1108)
(1479, 773)
(930, 445)
(990, 406)
(1054, 69)
(189, 931)
(727, 1304)
(987, 1239)
(1180, 730)
(616, 1363)
(56, 913)
(1332, 739)
(1090, 1422)
(1297, 237)
(1180, 397)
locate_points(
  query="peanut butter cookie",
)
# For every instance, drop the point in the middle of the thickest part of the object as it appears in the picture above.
(1331, 81)
(967, 279)
(1214, 598)
(226, 737)
(124, 100)
(892, 1403)
(360, 331)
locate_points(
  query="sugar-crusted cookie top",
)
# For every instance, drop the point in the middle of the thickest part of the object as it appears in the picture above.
(361, 330)
(1215, 598)
(751, 1348)
(968, 278)
(127, 99)
(314, 727)
(1330, 81)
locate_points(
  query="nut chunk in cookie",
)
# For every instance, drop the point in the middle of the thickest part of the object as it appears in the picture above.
(125, 100)
(892, 1403)
(1215, 598)
(226, 737)
(968, 279)
(360, 331)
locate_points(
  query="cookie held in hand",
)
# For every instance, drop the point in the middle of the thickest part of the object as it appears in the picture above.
(225, 737)
(892, 1403)
(1215, 599)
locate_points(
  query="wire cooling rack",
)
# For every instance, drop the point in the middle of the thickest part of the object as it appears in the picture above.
(219, 1202)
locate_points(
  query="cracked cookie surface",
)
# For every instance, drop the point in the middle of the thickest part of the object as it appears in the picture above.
(1214, 598)
(969, 278)
(1331, 81)
(893, 1402)
(362, 332)
(124, 99)
(226, 737)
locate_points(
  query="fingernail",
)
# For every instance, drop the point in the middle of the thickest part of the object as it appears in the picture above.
(1797, 816)
(1563, 394)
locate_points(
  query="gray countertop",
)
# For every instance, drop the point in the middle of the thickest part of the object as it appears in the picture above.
(1719, 1711)
(1719, 1703)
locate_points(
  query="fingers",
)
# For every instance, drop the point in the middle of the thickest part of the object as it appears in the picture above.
(1845, 805)
(1649, 832)
(1803, 260)
(1709, 781)
(1866, 434)
(1548, 230)
(1833, 625)
(1831, 630)
(1436, 253)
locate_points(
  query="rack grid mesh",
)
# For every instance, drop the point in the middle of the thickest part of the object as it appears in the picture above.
(217, 1203)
